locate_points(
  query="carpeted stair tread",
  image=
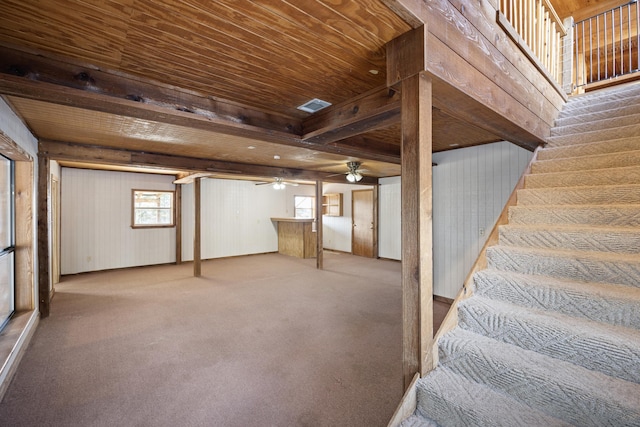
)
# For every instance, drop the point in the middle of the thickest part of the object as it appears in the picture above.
(602, 100)
(600, 302)
(453, 400)
(584, 178)
(624, 240)
(590, 149)
(596, 124)
(613, 215)
(588, 266)
(612, 350)
(594, 135)
(589, 105)
(595, 195)
(588, 117)
(598, 161)
(418, 421)
(571, 393)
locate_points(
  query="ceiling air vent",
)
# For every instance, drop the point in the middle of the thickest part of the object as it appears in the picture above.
(314, 105)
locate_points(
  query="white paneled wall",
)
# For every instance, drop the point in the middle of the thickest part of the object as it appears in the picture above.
(236, 217)
(96, 231)
(389, 242)
(13, 126)
(470, 188)
(336, 230)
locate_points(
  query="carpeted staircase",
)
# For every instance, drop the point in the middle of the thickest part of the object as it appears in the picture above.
(551, 335)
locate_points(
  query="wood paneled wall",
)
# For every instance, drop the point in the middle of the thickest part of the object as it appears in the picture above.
(96, 231)
(236, 217)
(471, 187)
(389, 242)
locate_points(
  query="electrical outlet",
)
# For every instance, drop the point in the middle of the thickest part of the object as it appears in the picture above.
(481, 231)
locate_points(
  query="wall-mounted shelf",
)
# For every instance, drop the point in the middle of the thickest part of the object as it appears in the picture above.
(332, 204)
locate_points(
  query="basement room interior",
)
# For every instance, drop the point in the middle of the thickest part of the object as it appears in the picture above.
(320, 213)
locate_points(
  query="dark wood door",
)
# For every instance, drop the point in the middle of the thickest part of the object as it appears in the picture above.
(362, 240)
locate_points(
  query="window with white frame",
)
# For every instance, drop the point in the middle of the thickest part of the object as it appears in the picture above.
(152, 208)
(304, 206)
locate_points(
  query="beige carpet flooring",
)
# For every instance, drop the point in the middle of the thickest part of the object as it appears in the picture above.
(263, 340)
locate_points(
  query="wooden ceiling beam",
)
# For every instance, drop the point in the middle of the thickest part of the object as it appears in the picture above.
(373, 110)
(35, 77)
(57, 150)
(89, 78)
(385, 152)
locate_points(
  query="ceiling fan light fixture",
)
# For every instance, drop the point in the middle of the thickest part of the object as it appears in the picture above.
(278, 184)
(353, 175)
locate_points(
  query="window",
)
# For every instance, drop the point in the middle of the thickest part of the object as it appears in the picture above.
(7, 241)
(152, 209)
(304, 206)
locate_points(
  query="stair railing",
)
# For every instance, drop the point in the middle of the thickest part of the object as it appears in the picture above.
(540, 32)
(606, 45)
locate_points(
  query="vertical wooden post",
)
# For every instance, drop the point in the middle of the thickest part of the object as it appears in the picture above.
(417, 250)
(319, 242)
(178, 218)
(43, 236)
(376, 193)
(24, 270)
(406, 62)
(197, 270)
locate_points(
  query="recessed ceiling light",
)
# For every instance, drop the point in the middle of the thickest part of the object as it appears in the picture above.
(276, 157)
(374, 72)
(251, 147)
(453, 145)
(314, 105)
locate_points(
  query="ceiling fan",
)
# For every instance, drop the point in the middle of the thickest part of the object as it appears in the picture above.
(279, 183)
(354, 175)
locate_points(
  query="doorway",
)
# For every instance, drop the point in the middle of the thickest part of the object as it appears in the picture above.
(55, 233)
(364, 223)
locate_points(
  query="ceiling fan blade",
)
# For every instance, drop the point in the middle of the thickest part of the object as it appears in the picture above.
(190, 178)
(336, 174)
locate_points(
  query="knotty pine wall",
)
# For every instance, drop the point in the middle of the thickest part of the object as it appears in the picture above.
(96, 231)
(470, 189)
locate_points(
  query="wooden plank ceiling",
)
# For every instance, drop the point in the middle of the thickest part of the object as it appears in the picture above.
(217, 80)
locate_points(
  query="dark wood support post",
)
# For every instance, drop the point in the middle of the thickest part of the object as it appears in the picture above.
(319, 242)
(417, 242)
(43, 236)
(178, 219)
(197, 267)
(406, 62)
